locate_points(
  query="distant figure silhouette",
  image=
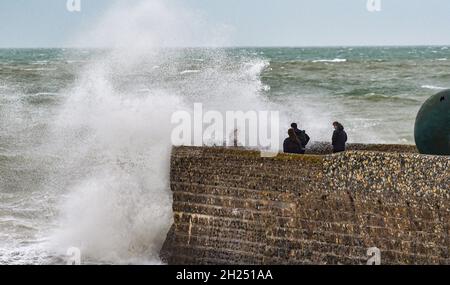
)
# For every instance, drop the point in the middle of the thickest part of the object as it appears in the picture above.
(292, 144)
(301, 134)
(339, 138)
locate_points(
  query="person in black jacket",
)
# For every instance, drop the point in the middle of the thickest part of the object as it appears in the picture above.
(301, 134)
(292, 144)
(339, 138)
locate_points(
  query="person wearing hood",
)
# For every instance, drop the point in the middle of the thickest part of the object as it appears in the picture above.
(292, 144)
(301, 134)
(339, 138)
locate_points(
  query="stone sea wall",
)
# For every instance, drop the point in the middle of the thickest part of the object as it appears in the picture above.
(232, 206)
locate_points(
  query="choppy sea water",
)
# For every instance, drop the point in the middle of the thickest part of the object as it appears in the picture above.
(85, 134)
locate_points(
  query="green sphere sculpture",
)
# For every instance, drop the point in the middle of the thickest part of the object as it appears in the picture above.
(432, 128)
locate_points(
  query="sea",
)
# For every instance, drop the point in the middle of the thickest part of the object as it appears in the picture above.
(85, 134)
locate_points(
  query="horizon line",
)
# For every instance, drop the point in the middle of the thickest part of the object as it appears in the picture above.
(235, 46)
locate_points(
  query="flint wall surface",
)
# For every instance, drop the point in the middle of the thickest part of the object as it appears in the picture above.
(232, 206)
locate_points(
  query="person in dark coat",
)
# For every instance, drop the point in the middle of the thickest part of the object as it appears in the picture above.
(292, 144)
(339, 138)
(301, 134)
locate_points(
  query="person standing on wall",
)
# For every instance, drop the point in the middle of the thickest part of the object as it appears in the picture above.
(339, 138)
(301, 134)
(292, 144)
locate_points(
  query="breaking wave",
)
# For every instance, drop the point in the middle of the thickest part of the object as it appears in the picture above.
(113, 132)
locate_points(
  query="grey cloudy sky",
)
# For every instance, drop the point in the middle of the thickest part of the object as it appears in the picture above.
(47, 23)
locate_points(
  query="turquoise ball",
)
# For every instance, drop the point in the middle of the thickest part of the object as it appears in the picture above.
(432, 128)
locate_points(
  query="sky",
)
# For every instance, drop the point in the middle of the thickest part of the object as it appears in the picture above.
(48, 23)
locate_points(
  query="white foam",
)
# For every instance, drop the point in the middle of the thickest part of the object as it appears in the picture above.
(75, 61)
(39, 69)
(432, 87)
(40, 62)
(336, 60)
(189, 71)
(46, 94)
